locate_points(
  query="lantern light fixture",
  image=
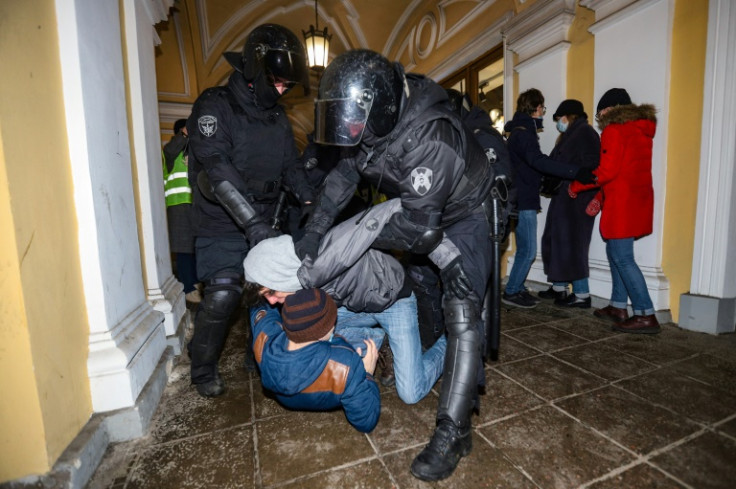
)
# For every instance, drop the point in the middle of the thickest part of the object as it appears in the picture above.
(318, 44)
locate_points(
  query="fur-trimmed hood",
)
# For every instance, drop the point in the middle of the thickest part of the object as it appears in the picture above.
(621, 114)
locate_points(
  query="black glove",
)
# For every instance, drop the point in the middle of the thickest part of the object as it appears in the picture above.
(454, 279)
(308, 245)
(585, 175)
(259, 231)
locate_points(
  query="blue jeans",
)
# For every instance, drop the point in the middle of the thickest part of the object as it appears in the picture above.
(416, 373)
(526, 251)
(579, 286)
(627, 279)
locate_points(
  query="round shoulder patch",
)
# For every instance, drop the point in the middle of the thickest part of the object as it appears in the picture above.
(207, 125)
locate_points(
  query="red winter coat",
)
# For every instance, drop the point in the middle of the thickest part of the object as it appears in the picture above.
(625, 171)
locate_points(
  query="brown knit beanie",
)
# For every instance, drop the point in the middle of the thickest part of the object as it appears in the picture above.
(308, 315)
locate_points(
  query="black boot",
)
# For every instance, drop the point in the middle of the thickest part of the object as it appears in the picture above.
(452, 439)
(440, 457)
(208, 340)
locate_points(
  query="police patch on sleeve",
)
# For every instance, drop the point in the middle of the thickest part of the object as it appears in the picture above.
(421, 179)
(207, 125)
(371, 224)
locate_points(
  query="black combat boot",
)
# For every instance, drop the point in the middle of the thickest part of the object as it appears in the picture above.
(452, 439)
(440, 457)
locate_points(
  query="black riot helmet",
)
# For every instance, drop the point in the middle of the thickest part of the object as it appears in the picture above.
(359, 88)
(271, 54)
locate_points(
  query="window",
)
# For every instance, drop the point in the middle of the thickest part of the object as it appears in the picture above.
(482, 80)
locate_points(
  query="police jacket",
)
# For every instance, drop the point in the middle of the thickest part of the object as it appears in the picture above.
(320, 376)
(430, 160)
(232, 139)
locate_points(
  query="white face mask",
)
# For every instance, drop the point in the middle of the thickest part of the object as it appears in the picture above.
(561, 126)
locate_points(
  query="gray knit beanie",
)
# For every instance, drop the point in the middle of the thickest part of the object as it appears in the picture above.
(273, 263)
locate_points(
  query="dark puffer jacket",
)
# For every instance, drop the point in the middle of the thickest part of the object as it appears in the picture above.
(625, 171)
(528, 163)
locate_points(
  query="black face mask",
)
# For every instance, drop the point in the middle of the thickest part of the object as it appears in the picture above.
(539, 123)
(266, 94)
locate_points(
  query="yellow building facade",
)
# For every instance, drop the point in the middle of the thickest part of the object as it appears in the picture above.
(91, 317)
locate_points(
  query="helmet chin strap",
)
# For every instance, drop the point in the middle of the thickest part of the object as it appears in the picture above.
(266, 95)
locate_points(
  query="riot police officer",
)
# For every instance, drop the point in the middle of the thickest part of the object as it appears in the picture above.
(241, 147)
(400, 134)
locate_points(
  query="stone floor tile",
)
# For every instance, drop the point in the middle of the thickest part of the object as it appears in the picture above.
(641, 476)
(306, 443)
(510, 350)
(706, 462)
(485, 467)
(265, 404)
(183, 412)
(545, 338)
(649, 347)
(222, 459)
(604, 362)
(556, 451)
(512, 318)
(549, 378)
(403, 425)
(682, 394)
(367, 475)
(633, 422)
(728, 428)
(503, 397)
(711, 370)
(585, 326)
(117, 464)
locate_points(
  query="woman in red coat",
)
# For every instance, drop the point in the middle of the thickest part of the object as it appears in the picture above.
(625, 179)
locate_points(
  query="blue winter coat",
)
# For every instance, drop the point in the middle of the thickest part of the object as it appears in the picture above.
(321, 376)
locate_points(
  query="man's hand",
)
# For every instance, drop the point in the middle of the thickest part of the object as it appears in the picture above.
(258, 232)
(585, 175)
(308, 245)
(371, 356)
(454, 279)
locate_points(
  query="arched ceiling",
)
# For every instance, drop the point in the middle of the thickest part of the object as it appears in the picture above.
(424, 35)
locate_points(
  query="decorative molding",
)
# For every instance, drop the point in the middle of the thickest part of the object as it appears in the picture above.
(472, 50)
(156, 10)
(540, 27)
(604, 8)
(469, 18)
(353, 19)
(561, 47)
(430, 20)
(619, 15)
(398, 27)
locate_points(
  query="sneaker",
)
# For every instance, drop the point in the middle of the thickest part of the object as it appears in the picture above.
(529, 296)
(440, 457)
(552, 294)
(519, 300)
(386, 361)
(574, 301)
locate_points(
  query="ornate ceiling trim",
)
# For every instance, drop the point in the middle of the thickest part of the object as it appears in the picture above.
(539, 28)
(176, 19)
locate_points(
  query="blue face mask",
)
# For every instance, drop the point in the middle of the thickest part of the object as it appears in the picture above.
(561, 126)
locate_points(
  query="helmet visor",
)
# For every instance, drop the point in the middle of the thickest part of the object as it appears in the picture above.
(286, 67)
(341, 122)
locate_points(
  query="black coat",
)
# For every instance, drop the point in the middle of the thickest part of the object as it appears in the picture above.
(568, 229)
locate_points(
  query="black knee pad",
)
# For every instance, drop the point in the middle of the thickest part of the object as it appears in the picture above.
(461, 315)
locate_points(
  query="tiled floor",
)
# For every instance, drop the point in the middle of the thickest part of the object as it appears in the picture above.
(570, 404)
